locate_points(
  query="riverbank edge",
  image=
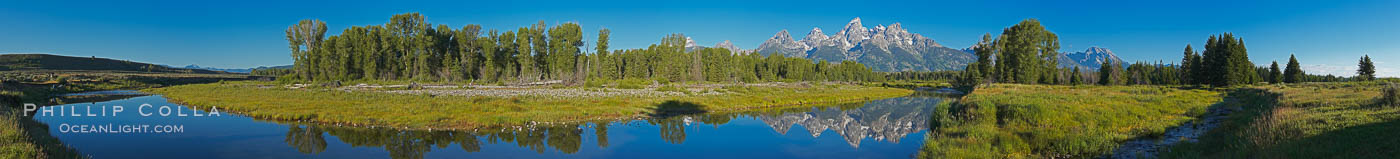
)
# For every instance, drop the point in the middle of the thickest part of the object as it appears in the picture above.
(829, 94)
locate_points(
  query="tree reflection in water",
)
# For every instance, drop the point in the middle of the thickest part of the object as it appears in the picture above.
(306, 139)
(601, 129)
(886, 120)
(672, 128)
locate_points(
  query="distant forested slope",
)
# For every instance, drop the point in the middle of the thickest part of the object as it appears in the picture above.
(13, 62)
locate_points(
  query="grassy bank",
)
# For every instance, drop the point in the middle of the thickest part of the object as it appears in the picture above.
(22, 137)
(15, 141)
(1312, 120)
(419, 111)
(1037, 121)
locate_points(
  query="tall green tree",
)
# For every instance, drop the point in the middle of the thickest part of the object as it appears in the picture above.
(306, 34)
(1110, 72)
(1226, 62)
(1026, 52)
(564, 43)
(1366, 70)
(542, 52)
(1275, 76)
(1075, 77)
(1190, 62)
(985, 51)
(604, 57)
(525, 60)
(1293, 73)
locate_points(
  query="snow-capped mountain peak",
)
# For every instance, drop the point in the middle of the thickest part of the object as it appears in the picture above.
(1093, 57)
(730, 46)
(890, 44)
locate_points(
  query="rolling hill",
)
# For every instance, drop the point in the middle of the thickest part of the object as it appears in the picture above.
(19, 62)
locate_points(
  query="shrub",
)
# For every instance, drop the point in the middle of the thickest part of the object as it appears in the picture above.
(968, 80)
(1390, 95)
(632, 83)
(595, 83)
(661, 80)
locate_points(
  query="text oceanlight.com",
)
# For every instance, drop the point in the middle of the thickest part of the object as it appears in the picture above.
(116, 129)
(144, 110)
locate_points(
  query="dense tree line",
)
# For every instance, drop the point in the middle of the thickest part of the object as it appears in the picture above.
(409, 48)
(1224, 62)
(271, 72)
(1018, 56)
(926, 76)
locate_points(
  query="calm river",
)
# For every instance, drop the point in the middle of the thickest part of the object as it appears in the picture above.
(886, 128)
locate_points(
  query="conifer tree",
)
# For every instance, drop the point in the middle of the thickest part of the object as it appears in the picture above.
(1275, 76)
(1366, 70)
(1293, 73)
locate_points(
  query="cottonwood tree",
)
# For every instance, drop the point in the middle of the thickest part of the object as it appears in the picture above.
(1026, 53)
(306, 34)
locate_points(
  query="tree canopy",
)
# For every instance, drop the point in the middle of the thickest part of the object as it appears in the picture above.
(410, 48)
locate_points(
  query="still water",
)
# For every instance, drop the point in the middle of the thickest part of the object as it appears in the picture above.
(886, 128)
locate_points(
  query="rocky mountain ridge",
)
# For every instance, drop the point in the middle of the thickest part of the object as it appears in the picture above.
(883, 48)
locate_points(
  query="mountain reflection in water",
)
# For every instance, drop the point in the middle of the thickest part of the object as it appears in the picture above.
(677, 133)
(887, 120)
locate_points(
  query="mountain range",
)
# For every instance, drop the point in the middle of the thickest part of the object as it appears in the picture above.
(1091, 58)
(888, 120)
(882, 48)
(234, 70)
(888, 49)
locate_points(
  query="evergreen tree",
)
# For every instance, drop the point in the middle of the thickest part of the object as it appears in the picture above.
(1226, 62)
(1189, 62)
(1366, 70)
(1275, 76)
(970, 78)
(1074, 77)
(1293, 73)
(1110, 73)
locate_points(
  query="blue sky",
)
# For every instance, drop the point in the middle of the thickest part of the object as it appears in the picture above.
(1327, 36)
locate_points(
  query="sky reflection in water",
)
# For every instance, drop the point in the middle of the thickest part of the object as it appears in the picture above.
(887, 128)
